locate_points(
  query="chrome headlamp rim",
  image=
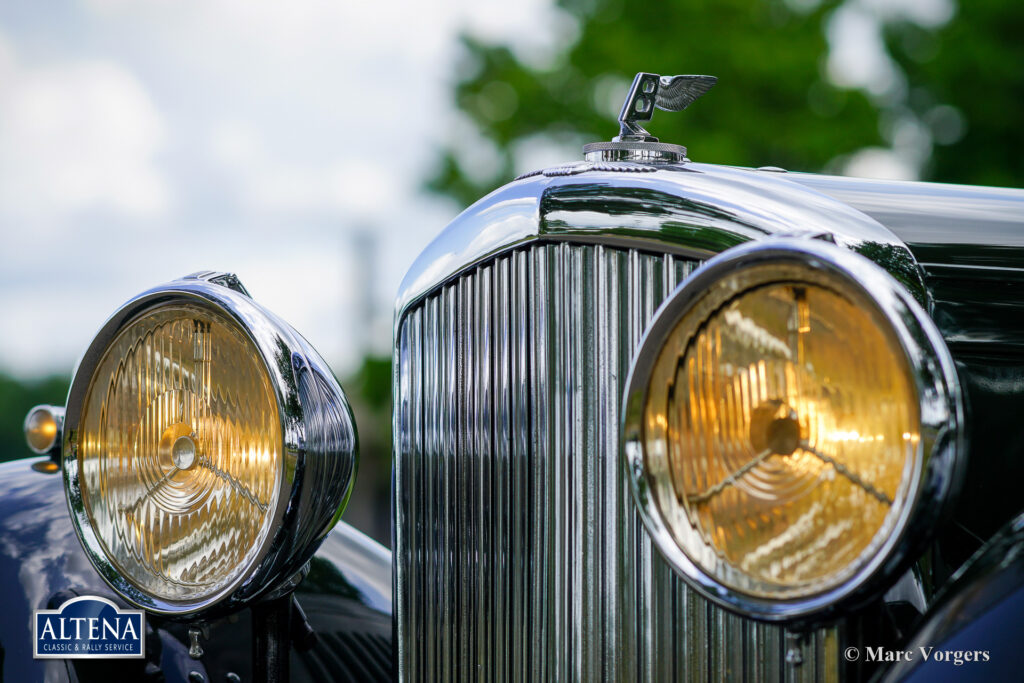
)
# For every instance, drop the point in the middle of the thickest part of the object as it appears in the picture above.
(940, 456)
(305, 510)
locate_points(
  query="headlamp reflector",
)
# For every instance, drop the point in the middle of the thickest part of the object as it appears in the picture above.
(180, 452)
(790, 420)
(793, 428)
(207, 450)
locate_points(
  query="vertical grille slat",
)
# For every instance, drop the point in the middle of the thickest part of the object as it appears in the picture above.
(519, 554)
(610, 322)
(484, 440)
(524, 553)
(501, 511)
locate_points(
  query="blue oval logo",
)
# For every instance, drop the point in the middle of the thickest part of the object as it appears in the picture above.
(89, 627)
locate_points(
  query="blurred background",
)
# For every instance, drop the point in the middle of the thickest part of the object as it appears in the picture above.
(315, 147)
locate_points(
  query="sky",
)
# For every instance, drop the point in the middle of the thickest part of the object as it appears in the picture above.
(142, 140)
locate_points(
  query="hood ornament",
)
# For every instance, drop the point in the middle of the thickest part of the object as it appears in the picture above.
(649, 91)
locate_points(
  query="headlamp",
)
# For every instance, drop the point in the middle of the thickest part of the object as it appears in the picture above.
(791, 421)
(43, 426)
(207, 449)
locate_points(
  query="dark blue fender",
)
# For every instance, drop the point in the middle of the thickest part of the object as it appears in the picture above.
(346, 597)
(981, 611)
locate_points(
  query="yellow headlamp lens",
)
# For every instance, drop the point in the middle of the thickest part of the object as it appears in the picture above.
(788, 418)
(180, 452)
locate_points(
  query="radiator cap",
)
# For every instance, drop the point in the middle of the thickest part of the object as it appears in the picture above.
(648, 92)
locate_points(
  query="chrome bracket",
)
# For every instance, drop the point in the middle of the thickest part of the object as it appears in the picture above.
(804, 234)
(220, 277)
(195, 648)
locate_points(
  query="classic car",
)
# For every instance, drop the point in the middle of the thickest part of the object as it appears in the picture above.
(654, 419)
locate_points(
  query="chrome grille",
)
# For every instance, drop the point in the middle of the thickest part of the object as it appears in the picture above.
(518, 551)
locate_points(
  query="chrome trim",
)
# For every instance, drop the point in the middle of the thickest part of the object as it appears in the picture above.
(647, 152)
(320, 445)
(941, 450)
(577, 167)
(693, 210)
(518, 551)
(931, 213)
(488, 287)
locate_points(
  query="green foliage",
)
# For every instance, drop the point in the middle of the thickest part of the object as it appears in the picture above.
(976, 65)
(16, 398)
(371, 383)
(772, 106)
(369, 394)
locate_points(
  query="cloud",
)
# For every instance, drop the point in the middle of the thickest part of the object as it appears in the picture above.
(343, 186)
(77, 136)
(140, 141)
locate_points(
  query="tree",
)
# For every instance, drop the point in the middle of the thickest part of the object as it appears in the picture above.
(773, 105)
(369, 394)
(966, 84)
(963, 84)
